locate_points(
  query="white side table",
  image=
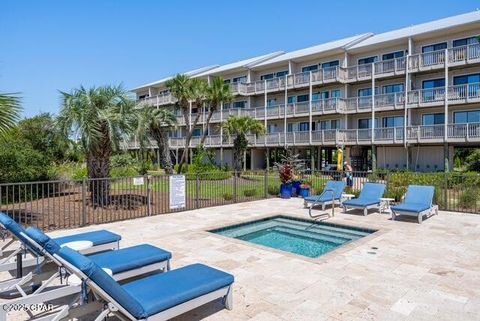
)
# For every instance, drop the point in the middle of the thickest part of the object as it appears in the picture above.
(346, 197)
(78, 245)
(385, 204)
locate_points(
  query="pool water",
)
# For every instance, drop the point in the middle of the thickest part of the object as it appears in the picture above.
(303, 237)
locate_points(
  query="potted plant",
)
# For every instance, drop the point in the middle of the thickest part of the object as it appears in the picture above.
(296, 182)
(285, 172)
(304, 190)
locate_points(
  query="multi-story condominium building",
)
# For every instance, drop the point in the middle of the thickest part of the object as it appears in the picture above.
(401, 99)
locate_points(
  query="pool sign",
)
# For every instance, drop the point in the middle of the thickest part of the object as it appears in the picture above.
(137, 181)
(177, 191)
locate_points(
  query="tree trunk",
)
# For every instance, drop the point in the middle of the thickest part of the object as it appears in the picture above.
(187, 142)
(99, 171)
(240, 144)
(205, 132)
(161, 137)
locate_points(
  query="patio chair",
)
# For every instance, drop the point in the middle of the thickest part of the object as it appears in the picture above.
(332, 194)
(418, 202)
(369, 198)
(157, 297)
(101, 240)
(122, 264)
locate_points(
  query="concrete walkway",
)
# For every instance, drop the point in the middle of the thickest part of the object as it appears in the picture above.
(405, 271)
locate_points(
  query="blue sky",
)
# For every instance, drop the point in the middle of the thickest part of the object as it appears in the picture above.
(47, 45)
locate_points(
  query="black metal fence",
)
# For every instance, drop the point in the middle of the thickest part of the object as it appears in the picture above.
(63, 204)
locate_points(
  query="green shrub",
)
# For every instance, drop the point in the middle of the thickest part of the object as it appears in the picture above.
(228, 196)
(249, 192)
(273, 190)
(473, 161)
(122, 160)
(124, 172)
(468, 198)
(80, 172)
(216, 175)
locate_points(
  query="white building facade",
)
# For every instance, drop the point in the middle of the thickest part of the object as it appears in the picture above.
(404, 99)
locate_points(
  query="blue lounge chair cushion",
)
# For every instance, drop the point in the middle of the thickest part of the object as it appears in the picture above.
(145, 297)
(358, 202)
(410, 207)
(16, 229)
(103, 280)
(419, 198)
(163, 291)
(370, 195)
(336, 186)
(131, 258)
(96, 237)
(43, 240)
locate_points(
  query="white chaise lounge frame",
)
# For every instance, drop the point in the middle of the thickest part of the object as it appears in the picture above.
(432, 210)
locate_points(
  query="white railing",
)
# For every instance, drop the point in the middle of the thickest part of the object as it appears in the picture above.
(426, 96)
(464, 92)
(464, 53)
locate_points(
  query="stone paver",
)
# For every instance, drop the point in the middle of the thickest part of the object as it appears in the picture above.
(406, 271)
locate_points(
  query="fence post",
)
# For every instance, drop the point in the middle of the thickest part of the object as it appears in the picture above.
(445, 192)
(197, 191)
(84, 202)
(235, 186)
(266, 184)
(149, 195)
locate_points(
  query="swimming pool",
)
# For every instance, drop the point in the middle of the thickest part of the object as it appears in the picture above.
(294, 235)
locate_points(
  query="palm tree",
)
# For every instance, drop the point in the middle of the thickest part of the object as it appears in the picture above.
(153, 123)
(238, 127)
(9, 112)
(217, 93)
(101, 117)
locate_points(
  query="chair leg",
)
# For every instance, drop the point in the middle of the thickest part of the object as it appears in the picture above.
(229, 299)
(365, 211)
(420, 218)
(393, 216)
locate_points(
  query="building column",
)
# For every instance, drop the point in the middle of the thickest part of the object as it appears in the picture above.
(158, 157)
(374, 157)
(245, 160)
(221, 156)
(312, 158)
(319, 157)
(267, 154)
(252, 163)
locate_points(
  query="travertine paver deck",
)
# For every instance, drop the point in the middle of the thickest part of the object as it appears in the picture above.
(406, 271)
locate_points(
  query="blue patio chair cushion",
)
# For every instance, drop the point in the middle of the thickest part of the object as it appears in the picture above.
(420, 194)
(336, 186)
(16, 229)
(358, 202)
(103, 280)
(43, 240)
(162, 291)
(410, 207)
(96, 237)
(370, 195)
(131, 258)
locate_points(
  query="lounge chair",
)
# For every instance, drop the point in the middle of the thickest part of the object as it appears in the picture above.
(157, 297)
(101, 241)
(332, 194)
(122, 264)
(418, 202)
(369, 198)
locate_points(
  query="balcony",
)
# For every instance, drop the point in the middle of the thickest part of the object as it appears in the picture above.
(436, 59)
(383, 68)
(160, 100)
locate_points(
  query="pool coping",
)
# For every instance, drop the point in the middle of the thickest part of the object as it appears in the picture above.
(318, 260)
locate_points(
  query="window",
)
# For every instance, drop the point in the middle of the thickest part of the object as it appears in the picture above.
(434, 47)
(242, 79)
(466, 79)
(333, 63)
(271, 128)
(462, 117)
(272, 102)
(292, 99)
(267, 76)
(302, 98)
(239, 104)
(303, 127)
(310, 68)
(393, 55)
(142, 97)
(367, 60)
(290, 127)
(365, 92)
(329, 124)
(337, 93)
(393, 121)
(226, 81)
(433, 119)
(335, 124)
(433, 83)
(197, 132)
(366, 123)
(320, 95)
(465, 41)
(395, 88)
(281, 73)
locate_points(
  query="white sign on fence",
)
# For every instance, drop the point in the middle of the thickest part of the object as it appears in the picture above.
(138, 181)
(177, 191)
